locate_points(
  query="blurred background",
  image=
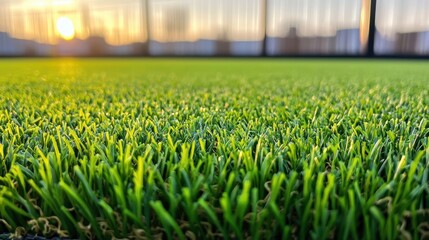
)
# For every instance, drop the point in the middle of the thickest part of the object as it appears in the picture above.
(214, 27)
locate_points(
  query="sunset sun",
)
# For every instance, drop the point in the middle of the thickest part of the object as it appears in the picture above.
(65, 28)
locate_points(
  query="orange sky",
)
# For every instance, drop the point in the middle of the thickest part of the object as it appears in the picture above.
(36, 19)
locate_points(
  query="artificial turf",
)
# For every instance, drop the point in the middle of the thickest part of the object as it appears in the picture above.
(214, 148)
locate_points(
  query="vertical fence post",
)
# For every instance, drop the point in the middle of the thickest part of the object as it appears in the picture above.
(147, 21)
(372, 29)
(264, 11)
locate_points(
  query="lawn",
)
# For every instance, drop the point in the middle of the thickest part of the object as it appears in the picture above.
(209, 149)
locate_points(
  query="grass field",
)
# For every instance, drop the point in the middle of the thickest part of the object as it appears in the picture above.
(209, 149)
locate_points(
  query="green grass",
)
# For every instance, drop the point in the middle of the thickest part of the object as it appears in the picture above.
(198, 148)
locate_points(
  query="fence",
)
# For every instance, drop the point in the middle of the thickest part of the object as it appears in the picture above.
(216, 27)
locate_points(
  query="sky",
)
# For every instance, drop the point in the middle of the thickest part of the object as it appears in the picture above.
(402, 16)
(207, 19)
(120, 22)
(124, 21)
(312, 17)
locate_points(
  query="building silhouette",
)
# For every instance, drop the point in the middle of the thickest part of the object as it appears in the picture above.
(344, 42)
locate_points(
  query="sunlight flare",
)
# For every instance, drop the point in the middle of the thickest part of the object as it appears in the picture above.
(65, 28)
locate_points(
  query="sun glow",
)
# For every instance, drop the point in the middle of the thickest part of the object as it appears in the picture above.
(65, 28)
